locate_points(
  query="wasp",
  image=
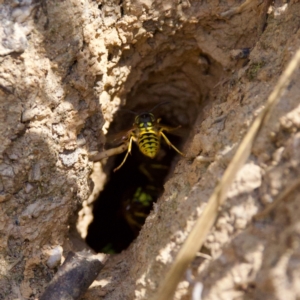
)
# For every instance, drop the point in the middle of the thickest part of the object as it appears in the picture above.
(138, 203)
(146, 132)
(136, 209)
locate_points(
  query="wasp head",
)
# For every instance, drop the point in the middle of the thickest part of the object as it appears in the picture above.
(144, 118)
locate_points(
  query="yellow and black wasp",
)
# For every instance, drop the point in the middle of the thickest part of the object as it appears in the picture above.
(136, 209)
(137, 205)
(146, 132)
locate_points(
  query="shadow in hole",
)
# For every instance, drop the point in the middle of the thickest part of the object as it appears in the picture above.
(118, 212)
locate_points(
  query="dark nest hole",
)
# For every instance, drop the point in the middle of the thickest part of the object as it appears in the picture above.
(185, 80)
(121, 209)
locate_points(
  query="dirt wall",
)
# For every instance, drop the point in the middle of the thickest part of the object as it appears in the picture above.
(66, 67)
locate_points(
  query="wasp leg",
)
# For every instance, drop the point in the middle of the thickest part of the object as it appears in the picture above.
(170, 144)
(167, 128)
(143, 169)
(128, 151)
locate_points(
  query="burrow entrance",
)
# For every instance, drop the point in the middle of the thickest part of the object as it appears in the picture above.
(130, 193)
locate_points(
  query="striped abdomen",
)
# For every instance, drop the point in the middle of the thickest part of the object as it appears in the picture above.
(148, 141)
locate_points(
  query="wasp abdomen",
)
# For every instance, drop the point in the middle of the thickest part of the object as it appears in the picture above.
(148, 143)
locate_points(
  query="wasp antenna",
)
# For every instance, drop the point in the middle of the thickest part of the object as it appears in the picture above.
(130, 111)
(159, 104)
